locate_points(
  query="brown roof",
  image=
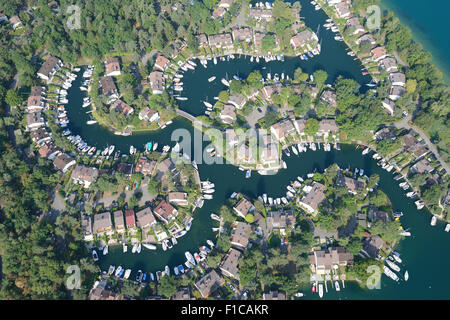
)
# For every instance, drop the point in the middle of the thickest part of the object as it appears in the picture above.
(112, 65)
(165, 211)
(108, 86)
(122, 107)
(118, 219)
(130, 219)
(229, 265)
(102, 222)
(209, 283)
(145, 218)
(84, 173)
(62, 160)
(49, 65)
(161, 63)
(243, 207)
(240, 234)
(145, 166)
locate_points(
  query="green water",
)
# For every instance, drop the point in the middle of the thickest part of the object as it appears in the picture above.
(425, 255)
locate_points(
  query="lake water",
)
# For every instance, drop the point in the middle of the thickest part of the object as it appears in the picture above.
(425, 253)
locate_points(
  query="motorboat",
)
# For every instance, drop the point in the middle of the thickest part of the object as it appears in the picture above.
(111, 270)
(207, 104)
(176, 271)
(167, 270)
(406, 276)
(181, 98)
(152, 277)
(139, 276)
(210, 243)
(110, 150)
(392, 265)
(388, 272)
(139, 248)
(215, 217)
(118, 270)
(105, 250)
(294, 150)
(225, 82)
(190, 257)
(164, 245)
(149, 246)
(433, 221)
(337, 286)
(125, 248)
(320, 290)
(94, 255)
(180, 267)
(169, 245)
(133, 250)
(211, 79)
(447, 227)
(197, 257)
(127, 274)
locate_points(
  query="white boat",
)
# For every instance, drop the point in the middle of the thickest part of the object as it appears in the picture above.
(210, 243)
(294, 150)
(189, 257)
(118, 270)
(207, 196)
(390, 273)
(366, 151)
(215, 217)
(111, 270)
(167, 270)
(406, 275)
(155, 146)
(289, 194)
(265, 197)
(164, 245)
(127, 274)
(207, 104)
(405, 233)
(181, 98)
(125, 248)
(133, 250)
(208, 191)
(270, 201)
(397, 258)
(111, 150)
(284, 200)
(139, 248)
(433, 221)
(175, 270)
(174, 240)
(152, 276)
(320, 290)
(149, 246)
(225, 82)
(211, 79)
(132, 150)
(105, 250)
(91, 122)
(94, 255)
(447, 227)
(338, 287)
(392, 265)
(215, 60)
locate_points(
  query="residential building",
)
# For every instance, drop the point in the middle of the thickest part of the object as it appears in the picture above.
(162, 63)
(15, 22)
(389, 64)
(49, 68)
(163, 168)
(366, 37)
(397, 79)
(119, 222)
(108, 88)
(229, 265)
(299, 125)
(223, 40)
(178, 198)
(243, 207)
(183, 293)
(145, 166)
(378, 53)
(237, 100)
(231, 137)
(323, 261)
(281, 219)
(122, 108)
(130, 219)
(389, 105)
(218, 13)
(156, 82)
(329, 97)
(202, 40)
(40, 136)
(422, 166)
(209, 283)
(282, 129)
(310, 202)
(242, 34)
(228, 114)
(269, 90)
(165, 212)
(103, 224)
(274, 295)
(327, 126)
(63, 162)
(145, 218)
(303, 38)
(260, 14)
(352, 185)
(245, 154)
(86, 226)
(149, 114)
(240, 235)
(34, 121)
(269, 154)
(342, 10)
(84, 175)
(112, 67)
(354, 24)
(395, 92)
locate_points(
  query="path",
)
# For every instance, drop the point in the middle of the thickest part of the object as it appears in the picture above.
(238, 22)
(194, 120)
(405, 124)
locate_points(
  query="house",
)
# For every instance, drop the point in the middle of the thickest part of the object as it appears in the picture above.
(202, 40)
(84, 175)
(231, 137)
(163, 167)
(223, 40)
(148, 114)
(63, 162)
(327, 126)
(237, 100)
(112, 67)
(274, 295)
(145, 166)
(108, 88)
(49, 151)
(119, 223)
(245, 154)
(122, 108)
(342, 10)
(218, 13)
(395, 92)
(281, 219)
(323, 261)
(372, 245)
(145, 218)
(242, 34)
(49, 68)
(260, 14)
(15, 22)
(240, 235)
(225, 4)
(228, 114)
(229, 265)
(412, 145)
(397, 79)
(35, 103)
(329, 97)
(268, 91)
(125, 168)
(257, 38)
(282, 129)
(243, 207)
(183, 293)
(366, 37)
(378, 53)
(86, 227)
(352, 185)
(356, 25)
(423, 166)
(178, 198)
(40, 136)
(165, 212)
(130, 219)
(103, 224)
(299, 125)
(34, 121)
(385, 133)
(310, 202)
(269, 154)
(303, 38)
(209, 283)
(389, 105)
(162, 63)
(100, 293)
(389, 64)
(156, 82)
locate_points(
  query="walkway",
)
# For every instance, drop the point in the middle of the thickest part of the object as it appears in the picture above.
(194, 120)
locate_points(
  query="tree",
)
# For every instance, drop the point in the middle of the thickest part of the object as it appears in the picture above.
(311, 127)
(373, 180)
(268, 43)
(12, 98)
(320, 76)
(167, 286)
(250, 218)
(411, 85)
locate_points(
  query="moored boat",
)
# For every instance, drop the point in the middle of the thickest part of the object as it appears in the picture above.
(118, 270)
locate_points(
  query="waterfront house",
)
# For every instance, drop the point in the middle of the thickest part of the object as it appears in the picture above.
(395, 92)
(108, 88)
(385, 133)
(119, 222)
(282, 129)
(145, 218)
(122, 108)
(397, 79)
(15, 22)
(149, 114)
(156, 82)
(163, 167)
(112, 67)
(389, 105)
(183, 293)
(202, 40)
(269, 155)
(372, 245)
(281, 219)
(299, 125)
(243, 207)
(162, 63)
(412, 145)
(373, 214)
(269, 90)
(366, 37)
(49, 68)
(389, 64)
(354, 24)
(351, 184)
(35, 103)
(245, 154)
(378, 53)
(165, 212)
(329, 97)
(327, 126)
(229, 265)
(86, 226)
(101, 293)
(84, 175)
(218, 13)
(103, 224)
(40, 136)
(242, 34)
(228, 114)
(145, 166)
(34, 121)
(178, 198)
(49, 151)
(310, 202)
(257, 38)
(223, 41)
(63, 162)
(422, 166)
(231, 138)
(274, 295)
(240, 234)
(125, 168)
(303, 38)
(209, 283)
(342, 10)
(237, 100)
(260, 14)
(323, 261)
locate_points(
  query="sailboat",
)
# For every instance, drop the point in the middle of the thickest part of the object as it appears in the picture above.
(406, 275)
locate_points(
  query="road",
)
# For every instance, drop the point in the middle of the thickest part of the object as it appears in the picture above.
(238, 22)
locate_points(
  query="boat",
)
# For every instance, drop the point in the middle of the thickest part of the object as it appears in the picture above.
(155, 146)
(215, 217)
(397, 214)
(94, 255)
(433, 221)
(248, 174)
(388, 272)
(180, 267)
(167, 270)
(204, 249)
(132, 150)
(225, 82)
(139, 248)
(397, 258)
(270, 201)
(133, 250)
(207, 196)
(211, 79)
(447, 227)
(207, 104)
(139, 276)
(169, 245)
(149, 246)
(320, 290)
(164, 245)
(338, 287)
(210, 243)
(208, 191)
(197, 257)
(105, 250)
(125, 248)
(110, 150)
(284, 200)
(127, 274)
(406, 276)
(190, 257)
(111, 270)
(286, 151)
(392, 265)
(264, 197)
(158, 275)
(174, 240)
(144, 276)
(118, 270)
(181, 98)
(175, 271)
(89, 122)
(152, 277)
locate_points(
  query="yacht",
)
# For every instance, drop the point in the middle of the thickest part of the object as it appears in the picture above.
(105, 250)
(197, 257)
(207, 104)
(433, 221)
(210, 243)
(139, 248)
(125, 248)
(264, 197)
(447, 227)
(320, 290)
(392, 265)
(390, 273)
(167, 270)
(111, 270)
(139, 276)
(94, 255)
(215, 217)
(189, 257)
(338, 287)
(149, 246)
(396, 257)
(111, 150)
(164, 245)
(127, 274)
(294, 150)
(169, 245)
(225, 82)
(181, 98)
(118, 270)
(406, 275)
(366, 151)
